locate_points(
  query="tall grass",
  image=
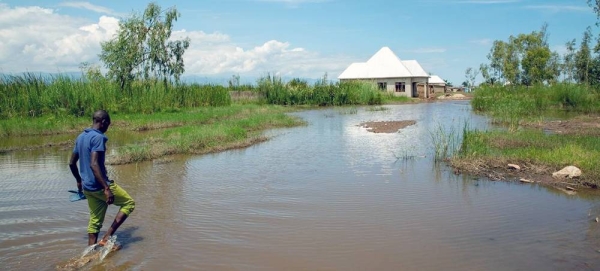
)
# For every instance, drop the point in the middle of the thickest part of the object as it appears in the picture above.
(321, 93)
(554, 150)
(31, 95)
(222, 128)
(508, 104)
(447, 140)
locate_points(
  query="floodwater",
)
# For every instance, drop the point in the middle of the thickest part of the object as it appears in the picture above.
(326, 196)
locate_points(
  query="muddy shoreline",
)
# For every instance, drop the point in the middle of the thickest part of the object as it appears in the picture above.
(500, 169)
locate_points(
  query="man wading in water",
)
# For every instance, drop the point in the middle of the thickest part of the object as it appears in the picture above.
(90, 149)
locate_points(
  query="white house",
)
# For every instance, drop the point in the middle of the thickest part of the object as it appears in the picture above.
(435, 84)
(436, 80)
(389, 72)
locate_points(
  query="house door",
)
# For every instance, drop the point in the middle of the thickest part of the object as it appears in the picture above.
(414, 90)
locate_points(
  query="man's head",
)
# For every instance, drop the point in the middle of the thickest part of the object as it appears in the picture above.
(101, 120)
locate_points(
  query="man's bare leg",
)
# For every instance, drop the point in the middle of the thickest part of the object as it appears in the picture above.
(92, 238)
(119, 219)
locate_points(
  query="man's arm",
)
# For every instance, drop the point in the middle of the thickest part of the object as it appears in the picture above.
(75, 170)
(100, 178)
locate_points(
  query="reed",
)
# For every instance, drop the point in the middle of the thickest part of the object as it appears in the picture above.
(31, 95)
(377, 108)
(34, 95)
(389, 97)
(321, 93)
(511, 105)
(348, 110)
(447, 140)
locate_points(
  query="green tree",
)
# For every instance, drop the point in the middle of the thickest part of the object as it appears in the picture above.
(503, 61)
(583, 58)
(524, 59)
(471, 75)
(595, 5)
(593, 75)
(553, 68)
(568, 67)
(234, 82)
(142, 48)
(536, 57)
(488, 78)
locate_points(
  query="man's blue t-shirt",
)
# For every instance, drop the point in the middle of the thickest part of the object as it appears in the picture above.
(90, 140)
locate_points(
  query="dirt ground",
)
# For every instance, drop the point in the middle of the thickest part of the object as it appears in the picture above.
(582, 125)
(386, 126)
(453, 96)
(499, 169)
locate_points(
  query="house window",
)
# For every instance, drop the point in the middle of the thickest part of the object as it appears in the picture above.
(382, 85)
(400, 87)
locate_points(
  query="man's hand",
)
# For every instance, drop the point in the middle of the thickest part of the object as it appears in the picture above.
(109, 196)
(79, 187)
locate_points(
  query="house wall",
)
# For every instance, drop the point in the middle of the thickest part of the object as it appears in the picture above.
(391, 84)
(433, 88)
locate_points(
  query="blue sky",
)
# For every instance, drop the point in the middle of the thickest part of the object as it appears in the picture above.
(294, 38)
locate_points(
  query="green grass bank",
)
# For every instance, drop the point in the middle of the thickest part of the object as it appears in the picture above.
(527, 134)
(191, 118)
(193, 131)
(512, 105)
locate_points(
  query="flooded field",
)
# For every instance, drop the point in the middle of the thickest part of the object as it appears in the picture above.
(327, 196)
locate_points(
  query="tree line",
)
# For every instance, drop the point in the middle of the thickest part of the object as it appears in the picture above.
(526, 59)
(143, 50)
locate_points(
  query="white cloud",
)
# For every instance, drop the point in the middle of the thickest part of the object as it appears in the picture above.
(39, 39)
(560, 8)
(89, 6)
(215, 54)
(483, 42)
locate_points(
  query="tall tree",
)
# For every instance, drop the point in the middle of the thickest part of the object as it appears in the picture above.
(595, 5)
(142, 48)
(487, 76)
(536, 57)
(504, 62)
(583, 58)
(471, 75)
(594, 68)
(524, 59)
(568, 67)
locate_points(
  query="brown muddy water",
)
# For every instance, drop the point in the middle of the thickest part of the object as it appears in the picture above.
(328, 196)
